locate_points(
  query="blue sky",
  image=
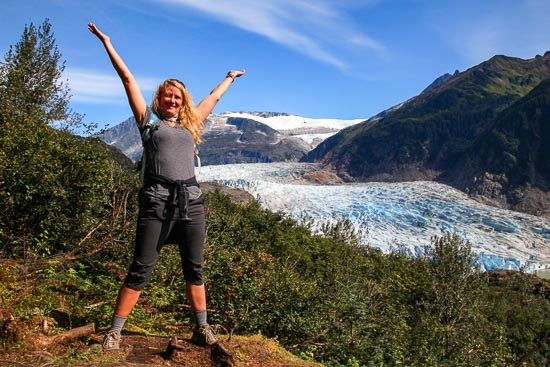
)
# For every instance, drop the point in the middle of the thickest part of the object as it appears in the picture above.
(343, 59)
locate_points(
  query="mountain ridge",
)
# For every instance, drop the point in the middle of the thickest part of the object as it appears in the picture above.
(428, 134)
(242, 137)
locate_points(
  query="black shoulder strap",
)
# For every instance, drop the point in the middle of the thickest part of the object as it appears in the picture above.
(146, 136)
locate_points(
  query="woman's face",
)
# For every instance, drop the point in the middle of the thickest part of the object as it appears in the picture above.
(170, 101)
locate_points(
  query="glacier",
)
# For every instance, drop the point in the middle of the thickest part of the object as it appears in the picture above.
(395, 216)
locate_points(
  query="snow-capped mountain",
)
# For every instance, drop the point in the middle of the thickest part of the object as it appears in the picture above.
(244, 137)
(311, 130)
(400, 216)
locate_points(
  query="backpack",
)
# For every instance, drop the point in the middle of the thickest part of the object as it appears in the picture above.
(146, 136)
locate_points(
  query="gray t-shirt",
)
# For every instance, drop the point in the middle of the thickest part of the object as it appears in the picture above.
(171, 154)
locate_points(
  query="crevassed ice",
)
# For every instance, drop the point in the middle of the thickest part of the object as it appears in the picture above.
(402, 216)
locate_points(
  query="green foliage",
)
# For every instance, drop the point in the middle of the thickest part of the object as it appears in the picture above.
(522, 307)
(30, 83)
(323, 297)
(453, 308)
(57, 190)
(265, 273)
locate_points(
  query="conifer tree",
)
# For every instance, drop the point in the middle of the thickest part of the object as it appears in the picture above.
(54, 186)
(30, 78)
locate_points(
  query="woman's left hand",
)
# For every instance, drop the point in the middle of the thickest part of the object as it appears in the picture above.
(236, 73)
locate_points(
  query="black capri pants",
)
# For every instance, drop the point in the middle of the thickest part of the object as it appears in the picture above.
(158, 225)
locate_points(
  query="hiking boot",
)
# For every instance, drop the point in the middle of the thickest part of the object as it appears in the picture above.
(111, 341)
(204, 336)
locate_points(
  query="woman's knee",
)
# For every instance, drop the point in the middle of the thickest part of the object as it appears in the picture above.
(193, 276)
(138, 276)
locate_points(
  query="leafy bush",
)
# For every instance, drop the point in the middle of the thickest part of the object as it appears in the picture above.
(57, 190)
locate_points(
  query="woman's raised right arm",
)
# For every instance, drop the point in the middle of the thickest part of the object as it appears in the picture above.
(135, 97)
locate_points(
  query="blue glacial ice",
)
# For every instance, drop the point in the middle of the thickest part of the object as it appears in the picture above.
(396, 215)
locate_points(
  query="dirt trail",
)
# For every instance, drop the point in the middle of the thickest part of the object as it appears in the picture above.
(149, 351)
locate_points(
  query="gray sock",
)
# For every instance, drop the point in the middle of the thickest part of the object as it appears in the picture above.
(200, 318)
(118, 323)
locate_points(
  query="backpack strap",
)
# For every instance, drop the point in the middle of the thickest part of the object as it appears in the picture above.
(196, 153)
(146, 136)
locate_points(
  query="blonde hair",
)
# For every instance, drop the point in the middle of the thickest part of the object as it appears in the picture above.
(187, 116)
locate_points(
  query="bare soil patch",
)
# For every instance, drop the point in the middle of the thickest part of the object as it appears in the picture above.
(149, 351)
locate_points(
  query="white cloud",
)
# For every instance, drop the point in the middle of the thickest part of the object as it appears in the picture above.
(94, 87)
(319, 29)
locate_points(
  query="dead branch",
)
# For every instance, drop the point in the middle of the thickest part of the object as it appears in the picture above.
(71, 334)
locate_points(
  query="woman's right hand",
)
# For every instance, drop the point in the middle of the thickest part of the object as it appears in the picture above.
(102, 36)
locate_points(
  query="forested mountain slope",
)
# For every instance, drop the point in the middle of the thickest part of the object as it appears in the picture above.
(428, 135)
